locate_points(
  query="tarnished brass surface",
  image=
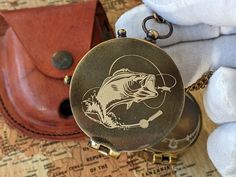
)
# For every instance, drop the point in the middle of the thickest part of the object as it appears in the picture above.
(127, 94)
(180, 139)
(187, 130)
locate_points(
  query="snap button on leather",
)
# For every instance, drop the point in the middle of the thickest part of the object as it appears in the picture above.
(62, 60)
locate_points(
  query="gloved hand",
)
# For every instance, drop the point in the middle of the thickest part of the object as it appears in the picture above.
(204, 39)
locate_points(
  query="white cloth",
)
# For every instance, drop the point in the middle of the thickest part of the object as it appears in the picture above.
(220, 96)
(223, 153)
(206, 41)
(132, 22)
(191, 12)
(195, 49)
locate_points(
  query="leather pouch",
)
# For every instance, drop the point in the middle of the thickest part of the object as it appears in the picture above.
(33, 97)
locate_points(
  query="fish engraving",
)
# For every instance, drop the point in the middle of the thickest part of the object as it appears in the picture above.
(124, 87)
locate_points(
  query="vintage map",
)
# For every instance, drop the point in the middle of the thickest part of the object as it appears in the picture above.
(21, 156)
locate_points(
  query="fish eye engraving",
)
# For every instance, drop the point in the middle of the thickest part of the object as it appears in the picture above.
(123, 89)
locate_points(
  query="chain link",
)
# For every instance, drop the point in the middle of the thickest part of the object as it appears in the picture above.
(201, 83)
(153, 35)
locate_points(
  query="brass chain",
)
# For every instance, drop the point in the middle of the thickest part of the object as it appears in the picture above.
(201, 83)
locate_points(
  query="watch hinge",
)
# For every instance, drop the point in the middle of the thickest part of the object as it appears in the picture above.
(164, 158)
(103, 149)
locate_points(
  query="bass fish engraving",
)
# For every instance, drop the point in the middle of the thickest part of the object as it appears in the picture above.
(124, 87)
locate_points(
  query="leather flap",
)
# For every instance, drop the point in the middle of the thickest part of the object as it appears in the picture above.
(44, 31)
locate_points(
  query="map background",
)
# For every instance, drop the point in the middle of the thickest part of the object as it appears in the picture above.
(21, 156)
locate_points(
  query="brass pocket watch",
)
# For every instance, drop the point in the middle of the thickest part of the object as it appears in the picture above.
(127, 95)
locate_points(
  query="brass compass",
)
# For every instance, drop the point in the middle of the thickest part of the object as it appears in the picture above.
(127, 94)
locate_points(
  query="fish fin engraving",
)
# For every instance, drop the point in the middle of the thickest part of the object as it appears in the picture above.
(129, 104)
(124, 70)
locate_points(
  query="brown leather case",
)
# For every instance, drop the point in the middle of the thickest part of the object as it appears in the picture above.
(33, 96)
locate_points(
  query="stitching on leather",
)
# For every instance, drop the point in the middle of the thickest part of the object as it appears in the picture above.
(32, 131)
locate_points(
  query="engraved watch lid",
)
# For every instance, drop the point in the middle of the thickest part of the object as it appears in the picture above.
(186, 131)
(126, 93)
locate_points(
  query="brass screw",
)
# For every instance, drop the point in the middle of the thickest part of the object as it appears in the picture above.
(67, 80)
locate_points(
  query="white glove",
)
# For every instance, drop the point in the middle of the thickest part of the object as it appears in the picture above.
(195, 50)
